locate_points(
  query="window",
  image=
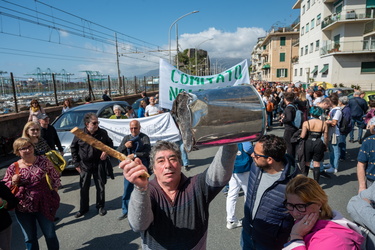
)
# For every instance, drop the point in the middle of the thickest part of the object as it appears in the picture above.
(306, 50)
(307, 27)
(312, 23)
(308, 4)
(311, 47)
(301, 51)
(315, 71)
(300, 72)
(324, 71)
(318, 19)
(317, 44)
(282, 57)
(295, 72)
(303, 9)
(368, 67)
(282, 40)
(264, 47)
(302, 31)
(282, 73)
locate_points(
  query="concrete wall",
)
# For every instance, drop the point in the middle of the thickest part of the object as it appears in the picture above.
(11, 125)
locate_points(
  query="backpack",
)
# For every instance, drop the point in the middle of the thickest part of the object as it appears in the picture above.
(270, 106)
(297, 122)
(345, 125)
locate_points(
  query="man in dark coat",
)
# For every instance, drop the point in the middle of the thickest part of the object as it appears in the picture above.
(136, 145)
(49, 133)
(89, 161)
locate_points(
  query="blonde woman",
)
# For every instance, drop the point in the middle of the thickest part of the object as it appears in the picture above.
(317, 226)
(37, 203)
(31, 131)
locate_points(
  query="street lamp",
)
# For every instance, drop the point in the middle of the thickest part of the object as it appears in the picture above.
(196, 53)
(169, 37)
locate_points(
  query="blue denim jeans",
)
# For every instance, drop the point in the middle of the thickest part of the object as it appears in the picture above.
(334, 154)
(359, 123)
(269, 118)
(247, 242)
(27, 222)
(342, 146)
(128, 189)
(184, 155)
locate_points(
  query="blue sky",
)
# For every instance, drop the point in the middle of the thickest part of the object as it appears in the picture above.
(29, 38)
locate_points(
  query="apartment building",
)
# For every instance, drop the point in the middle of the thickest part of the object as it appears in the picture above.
(257, 61)
(336, 42)
(272, 55)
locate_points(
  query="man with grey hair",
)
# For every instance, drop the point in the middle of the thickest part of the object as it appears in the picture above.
(309, 95)
(90, 161)
(358, 108)
(345, 125)
(171, 211)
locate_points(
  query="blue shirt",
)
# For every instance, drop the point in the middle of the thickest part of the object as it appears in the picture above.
(141, 112)
(367, 155)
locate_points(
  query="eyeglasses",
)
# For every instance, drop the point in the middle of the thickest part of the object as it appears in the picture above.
(299, 207)
(258, 155)
(95, 123)
(25, 148)
(34, 129)
(134, 128)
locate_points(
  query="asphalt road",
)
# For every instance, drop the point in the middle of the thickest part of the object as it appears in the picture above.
(106, 232)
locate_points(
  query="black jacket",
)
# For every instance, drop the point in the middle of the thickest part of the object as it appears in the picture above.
(272, 223)
(50, 135)
(141, 147)
(86, 156)
(12, 202)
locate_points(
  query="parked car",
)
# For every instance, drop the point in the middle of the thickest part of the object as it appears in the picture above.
(369, 95)
(74, 118)
(136, 104)
(345, 91)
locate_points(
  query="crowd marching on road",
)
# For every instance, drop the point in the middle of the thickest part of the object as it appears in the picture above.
(283, 207)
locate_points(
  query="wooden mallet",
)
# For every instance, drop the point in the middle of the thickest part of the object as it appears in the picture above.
(102, 147)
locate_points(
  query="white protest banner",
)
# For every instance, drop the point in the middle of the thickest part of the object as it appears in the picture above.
(158, 127)
(173, 81)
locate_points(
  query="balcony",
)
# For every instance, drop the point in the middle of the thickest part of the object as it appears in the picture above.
(369, 28)
(353, 15)
(358, 47)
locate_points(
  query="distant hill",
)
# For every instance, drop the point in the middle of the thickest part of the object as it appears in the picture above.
(221, 63)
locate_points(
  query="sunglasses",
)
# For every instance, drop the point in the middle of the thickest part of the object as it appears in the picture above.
(299, 207)
(34, 129)
(258, 155)
(95, 123)
(25, 148)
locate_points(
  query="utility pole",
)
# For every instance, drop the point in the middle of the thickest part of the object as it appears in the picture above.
(118, 66)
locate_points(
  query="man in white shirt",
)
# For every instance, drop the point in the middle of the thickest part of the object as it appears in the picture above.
(152, 108)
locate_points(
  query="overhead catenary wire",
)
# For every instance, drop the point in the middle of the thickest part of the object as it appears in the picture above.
(86, 29)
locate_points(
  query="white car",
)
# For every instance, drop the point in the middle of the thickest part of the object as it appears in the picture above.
(74, 118)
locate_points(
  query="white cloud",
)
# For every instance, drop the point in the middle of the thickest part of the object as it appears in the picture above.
(238, 44)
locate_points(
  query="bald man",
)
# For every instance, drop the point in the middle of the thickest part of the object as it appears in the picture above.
(135, 144)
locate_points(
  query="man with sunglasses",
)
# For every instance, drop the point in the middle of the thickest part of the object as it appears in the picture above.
(267, 224)
(90, 161)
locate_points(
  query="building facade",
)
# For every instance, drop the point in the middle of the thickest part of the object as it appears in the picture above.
(336, 42)
(272, 56)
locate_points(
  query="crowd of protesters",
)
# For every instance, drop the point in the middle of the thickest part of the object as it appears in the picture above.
(283, 207)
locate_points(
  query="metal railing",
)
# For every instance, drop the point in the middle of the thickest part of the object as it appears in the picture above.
(348, 14)
(16, 93)
(348, 47)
